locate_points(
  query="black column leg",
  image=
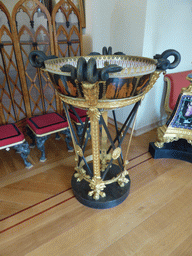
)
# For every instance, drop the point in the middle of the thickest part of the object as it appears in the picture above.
(68, 139)
(23, 150)
(40, 141)
(57, 136)
(79, 129)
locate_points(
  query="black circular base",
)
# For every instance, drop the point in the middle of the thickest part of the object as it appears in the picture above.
(115, 194)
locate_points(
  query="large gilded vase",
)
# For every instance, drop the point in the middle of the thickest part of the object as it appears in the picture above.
(98, 83)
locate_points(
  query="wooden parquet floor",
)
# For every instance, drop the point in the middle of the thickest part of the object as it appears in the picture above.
(39, 214)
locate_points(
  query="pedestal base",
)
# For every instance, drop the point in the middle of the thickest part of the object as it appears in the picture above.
(180, 149)
(115, 194)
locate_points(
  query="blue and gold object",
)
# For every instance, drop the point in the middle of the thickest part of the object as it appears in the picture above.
(175, 137)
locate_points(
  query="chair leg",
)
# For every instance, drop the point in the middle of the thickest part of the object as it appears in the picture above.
(23, 150)
(68, 139)
(40, 141)
(79, 129)
(57, 136)
(32, 136)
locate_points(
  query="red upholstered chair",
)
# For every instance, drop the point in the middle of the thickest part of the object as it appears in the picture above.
(12, 137)
(42, 126)
(78, 116)
(173, 84)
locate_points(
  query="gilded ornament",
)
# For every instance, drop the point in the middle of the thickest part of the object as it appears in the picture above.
(105, 158)
(91, 93)
(153, 79)
(81, 174)
(102, 104)
(126, 164)
(97, 186)
(116, 153)
(122, 180)
(78, 150)
(94, 113)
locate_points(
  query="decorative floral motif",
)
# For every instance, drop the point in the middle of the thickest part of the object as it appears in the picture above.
(104, 161)
(81, 174)
(97, 186)
(116, 153)
(122, 180)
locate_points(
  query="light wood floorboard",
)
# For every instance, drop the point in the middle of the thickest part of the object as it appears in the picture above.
(41, 216)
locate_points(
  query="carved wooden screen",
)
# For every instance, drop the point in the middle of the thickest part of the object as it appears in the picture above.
(32, 23)
(67, 29)
(25, 90)
(12, 107)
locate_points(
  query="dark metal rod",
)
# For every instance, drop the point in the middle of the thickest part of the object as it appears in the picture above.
(107, 169)
(107, 132)
(117, 132)
(110, 139)
(133, 113)
(76, 114)
(123, 126)
(83, 136)
(69, 121)
(84, 130)
(130, 121)
(75, 138)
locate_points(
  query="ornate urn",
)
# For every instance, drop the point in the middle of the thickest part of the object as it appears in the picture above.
(98, 83)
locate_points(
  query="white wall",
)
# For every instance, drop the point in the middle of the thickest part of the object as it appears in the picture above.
(127, 26)
(142, 28)
(116, 23)
(99, 15)
(167, 26)
(127, 34)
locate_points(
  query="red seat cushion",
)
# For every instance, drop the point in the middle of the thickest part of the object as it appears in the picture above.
(48, 123)
(10, 135)
(81, 113)
(178, 81)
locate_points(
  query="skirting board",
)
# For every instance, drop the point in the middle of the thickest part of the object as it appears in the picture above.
(143, 129)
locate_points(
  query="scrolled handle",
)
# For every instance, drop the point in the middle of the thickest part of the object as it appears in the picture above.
(94, 53)
(92, 72)
(119, 53)
(87, 71)
(81, 69)
(37, 58)
(70, 68)
(163, 62)
(106, 51)
(109, 69)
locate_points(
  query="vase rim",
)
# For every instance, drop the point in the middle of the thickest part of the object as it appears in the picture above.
(132, 65)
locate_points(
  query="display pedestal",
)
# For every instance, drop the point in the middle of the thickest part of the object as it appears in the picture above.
(175, 137)
(180, 150)
(115, 194)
